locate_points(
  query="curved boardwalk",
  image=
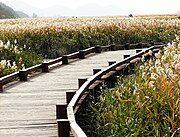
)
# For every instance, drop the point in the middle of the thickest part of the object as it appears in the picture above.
(29, 108)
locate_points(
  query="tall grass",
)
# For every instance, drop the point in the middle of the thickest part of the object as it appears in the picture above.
(14, 58)
(146, 103)
(53, 37)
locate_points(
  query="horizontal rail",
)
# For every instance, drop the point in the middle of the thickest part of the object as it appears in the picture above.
(44, 67)
(33, 68)
(54, 61)
(71, 108)
(73, 55)
(89, 50)
(9, 77)
(105, 47)
(77, 131)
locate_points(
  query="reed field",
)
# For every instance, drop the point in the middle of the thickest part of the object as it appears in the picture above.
(146, 103)
(53, 37)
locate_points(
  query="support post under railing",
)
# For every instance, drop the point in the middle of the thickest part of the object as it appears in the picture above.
(126, 70)
(63, 128)
(81, 54)
(96, 71)
(111, 62)
(144, 45)
(126, 56)
(140, 45)
(45, 67)
(69, 96)
(112, 47)
(127, 46)
(23, 75)
(61, 111)
(152, 43)
(98, 49)
(1, 86)
(138, 50)
(65, 59)
(81, 81)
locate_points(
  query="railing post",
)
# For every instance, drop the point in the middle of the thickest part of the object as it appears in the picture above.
(111, 62)
(81, 54)
(127, 46)
(61, 111)
(23, 75)
(112, 47)
(152, 43)
(81, 81)
(63, 128)
(65, 59)
(127, 69)
(144, 45)
(132, 67)
(69, 96)
(96, 71)
(1, 86)
(140, 45)
(138, 50)
(126, 56)
(98, 49)
(45, 67)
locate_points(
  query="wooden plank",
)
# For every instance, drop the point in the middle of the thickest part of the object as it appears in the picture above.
(29, 108)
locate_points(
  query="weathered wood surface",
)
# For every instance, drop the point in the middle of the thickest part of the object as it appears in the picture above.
(28, 108)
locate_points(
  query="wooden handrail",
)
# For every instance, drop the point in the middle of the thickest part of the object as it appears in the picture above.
(22, 74)
(89, 50)
(71, 108)
(33, 68)
(91, 80)
(73, 105)
(54, 61)
(105, 48)
(45, 66)
(73, 55)
(77, 131)
(9, 77)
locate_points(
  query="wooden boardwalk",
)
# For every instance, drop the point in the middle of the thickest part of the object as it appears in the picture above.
(29, 108)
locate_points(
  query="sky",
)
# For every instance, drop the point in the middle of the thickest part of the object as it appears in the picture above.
(144, 6)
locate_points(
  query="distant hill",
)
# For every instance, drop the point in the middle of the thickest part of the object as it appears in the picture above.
(22, 14)
(7, 12)
(19, 5)
(90, 9)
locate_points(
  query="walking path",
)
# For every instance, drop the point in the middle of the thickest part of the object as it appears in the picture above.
(29, 108)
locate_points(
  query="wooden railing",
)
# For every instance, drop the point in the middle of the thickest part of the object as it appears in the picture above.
(22, 75)
(66, 112)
